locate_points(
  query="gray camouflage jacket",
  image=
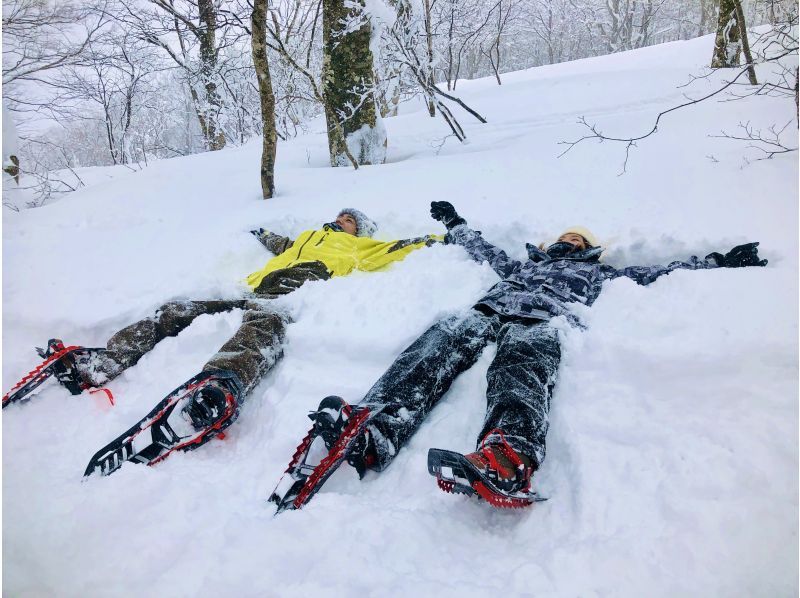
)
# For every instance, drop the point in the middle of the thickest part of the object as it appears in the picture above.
(542, 287)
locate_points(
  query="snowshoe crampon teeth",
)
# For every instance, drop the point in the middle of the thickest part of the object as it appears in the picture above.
(501, 502)
(445, 485)
(455, 474)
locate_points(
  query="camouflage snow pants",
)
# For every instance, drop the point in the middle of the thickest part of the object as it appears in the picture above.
(250, 353)
(520, 382)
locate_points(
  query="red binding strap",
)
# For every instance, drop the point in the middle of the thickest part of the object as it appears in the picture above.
(108, 394)
(507, 451)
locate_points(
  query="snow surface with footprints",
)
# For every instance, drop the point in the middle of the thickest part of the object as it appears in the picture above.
(672, 463)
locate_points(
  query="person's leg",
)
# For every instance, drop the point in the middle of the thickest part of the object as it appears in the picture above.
(255, 347)
(520, 382)
(129, 345)
(420, 376)
(287, 280)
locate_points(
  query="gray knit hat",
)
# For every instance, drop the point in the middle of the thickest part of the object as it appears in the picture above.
(365, 227)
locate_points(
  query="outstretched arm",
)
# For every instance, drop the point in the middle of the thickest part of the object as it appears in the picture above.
(738, 257)
(425, 241)
(377, 255)
(477, 247)
(274, 243)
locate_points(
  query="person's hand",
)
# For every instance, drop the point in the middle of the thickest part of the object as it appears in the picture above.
(444, 212)
(259, 233)
(739, 257)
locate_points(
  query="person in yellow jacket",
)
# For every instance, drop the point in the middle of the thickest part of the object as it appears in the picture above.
(336, 249)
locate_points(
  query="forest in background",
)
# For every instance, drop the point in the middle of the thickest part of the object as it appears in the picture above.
(107, 82)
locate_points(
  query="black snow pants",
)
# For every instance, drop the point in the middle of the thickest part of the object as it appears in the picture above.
(249, 353)
(520, 382)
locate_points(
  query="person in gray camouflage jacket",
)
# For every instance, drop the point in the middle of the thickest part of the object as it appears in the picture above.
(515, 313)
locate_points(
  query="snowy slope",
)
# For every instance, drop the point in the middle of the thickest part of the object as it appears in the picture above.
(672, 462)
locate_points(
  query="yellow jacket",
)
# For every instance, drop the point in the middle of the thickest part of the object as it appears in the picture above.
(340, 252)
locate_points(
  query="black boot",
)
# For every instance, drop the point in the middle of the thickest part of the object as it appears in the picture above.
(330, 419)
(206, 406)
(362, 454)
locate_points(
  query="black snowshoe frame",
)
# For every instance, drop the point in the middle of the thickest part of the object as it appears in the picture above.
(301, 481)
(154, 437)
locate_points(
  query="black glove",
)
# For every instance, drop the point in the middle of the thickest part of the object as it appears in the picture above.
(444, 212)
(738, 257)
(259, 233)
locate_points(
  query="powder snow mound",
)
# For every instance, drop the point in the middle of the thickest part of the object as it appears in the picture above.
(672, 464)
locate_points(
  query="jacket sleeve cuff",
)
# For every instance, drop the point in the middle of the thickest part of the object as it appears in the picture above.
(460, 234)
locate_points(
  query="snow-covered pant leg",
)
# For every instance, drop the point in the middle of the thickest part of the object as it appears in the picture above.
(286, 280)
(255, 347)
(421, 375)
(131, 343)
(521, 379)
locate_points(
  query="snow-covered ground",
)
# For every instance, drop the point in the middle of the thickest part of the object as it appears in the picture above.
(672, 462)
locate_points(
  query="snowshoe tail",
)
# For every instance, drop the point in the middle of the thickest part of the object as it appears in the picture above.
(59, 361)
(167, 429)
(455, 474)
(336, 426)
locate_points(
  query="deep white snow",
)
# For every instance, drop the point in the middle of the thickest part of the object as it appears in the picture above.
(672, 462)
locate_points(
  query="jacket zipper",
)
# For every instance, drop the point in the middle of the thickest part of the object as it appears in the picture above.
(321, 240)
(299, 251)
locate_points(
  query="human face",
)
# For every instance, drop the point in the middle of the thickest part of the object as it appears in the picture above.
(348, 224)
(575, 239)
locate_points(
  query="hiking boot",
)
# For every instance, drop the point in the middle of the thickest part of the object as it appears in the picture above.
(330, 419)
(207, 406)
(362, 454)
(97, 368)
(507, 469)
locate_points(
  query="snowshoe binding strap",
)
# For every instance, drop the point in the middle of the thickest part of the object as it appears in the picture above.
(488, 452)
(58, 362)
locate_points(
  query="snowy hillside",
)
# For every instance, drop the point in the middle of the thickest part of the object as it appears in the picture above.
(672, 462)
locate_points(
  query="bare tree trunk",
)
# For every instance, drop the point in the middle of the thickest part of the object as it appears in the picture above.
(110, 136)
(495, 63)
(727, 45)
(451, 24)
(261, 63)
(348, 87)
(208, 66)
(748, 56)
(429, 36)
(732, 39)
(388, 98)
(127, 125)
